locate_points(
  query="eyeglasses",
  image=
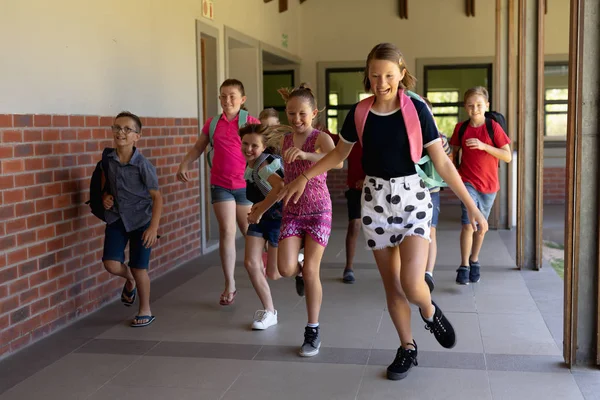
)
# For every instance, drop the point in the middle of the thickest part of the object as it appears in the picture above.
(127, 130)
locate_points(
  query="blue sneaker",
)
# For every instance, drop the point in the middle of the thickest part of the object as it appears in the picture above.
(462, 275)
(474, 274)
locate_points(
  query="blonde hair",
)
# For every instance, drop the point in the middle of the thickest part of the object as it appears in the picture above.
(303, 91)
(389, 52)
(268, 113)
(476, 91)
(271, 135)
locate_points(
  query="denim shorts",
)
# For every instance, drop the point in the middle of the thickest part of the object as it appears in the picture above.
(435, 200)
(267, 229)
(353, 199)
(219, 194)
(484, 202)
(115, 241)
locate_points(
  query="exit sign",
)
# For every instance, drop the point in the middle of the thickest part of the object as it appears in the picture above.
(208, 9)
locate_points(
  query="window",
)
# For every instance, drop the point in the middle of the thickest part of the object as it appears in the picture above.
(444, 87)
(272, 81)
(344, 88)
(555, 100)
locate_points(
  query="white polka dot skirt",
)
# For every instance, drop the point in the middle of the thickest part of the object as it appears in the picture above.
(393, 209)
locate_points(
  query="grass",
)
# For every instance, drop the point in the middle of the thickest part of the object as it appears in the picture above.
(554, 245)
(559, 266)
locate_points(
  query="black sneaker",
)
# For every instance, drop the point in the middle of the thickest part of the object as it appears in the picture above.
(474, 275)
(405, 359)
(429, 281)
(312, 342)
(348, 276)
(462, 276)
(300, 285)
(441, 328)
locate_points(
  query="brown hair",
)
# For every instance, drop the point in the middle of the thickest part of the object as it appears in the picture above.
(476, 91)
(389, 52)
(268, 113)
(237, 84)
(271, 135)
(426, 100)
(303, 91)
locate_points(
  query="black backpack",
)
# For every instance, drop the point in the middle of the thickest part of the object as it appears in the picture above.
(489, 117)
(96, 189)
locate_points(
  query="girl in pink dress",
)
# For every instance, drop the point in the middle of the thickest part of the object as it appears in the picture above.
(308, 220)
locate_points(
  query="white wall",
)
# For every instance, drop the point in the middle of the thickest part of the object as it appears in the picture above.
(243, 65)
(102, 56)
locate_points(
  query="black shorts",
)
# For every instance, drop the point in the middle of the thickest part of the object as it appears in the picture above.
(353, 200)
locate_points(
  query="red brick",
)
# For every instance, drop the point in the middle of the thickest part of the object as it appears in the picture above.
(35, 220)
(62, 201)
(61, 175)
(92, 147)
(47, 261)
(36, 250)
(12, 166)
(15, 226)
(23, 150)
(6, 151)
(69, 161)
(92, 120)
(6, 120)
(18, 286)
(35, 192)
(52, 189)
(13, 196)
(4, 322)
(9, 304)
(76, 120)
(12, 136)
(22, 209)
(16, 257)
(25, 238)
(84, 159)
(58, 298)
(50, 135)
(28, 296)
(63, 228)
(43, 149)
(39, 306)
(60, 148)
(40, 277)
(99, 134)
(7, 212)
(22, 120)
(32, 136)
(70, 213)
(76, 147)
(27, 268)
(54, 245)
(44, 205)
(23, 180)
(56, 271)
(106, 121)
(42, 120)
(46, 233)
(20, 342)
(34, 164)
(7, 242)
(60, 121)
(68, 134)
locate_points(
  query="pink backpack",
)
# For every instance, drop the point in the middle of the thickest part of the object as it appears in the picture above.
(411, 120)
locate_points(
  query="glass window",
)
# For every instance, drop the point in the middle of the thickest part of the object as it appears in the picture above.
(344, 89)
(556, 81)
(272, 81)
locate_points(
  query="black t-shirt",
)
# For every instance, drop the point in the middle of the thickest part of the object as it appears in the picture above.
(386, 151)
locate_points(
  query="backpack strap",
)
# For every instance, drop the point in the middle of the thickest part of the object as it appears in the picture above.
(490, 129)
(212, 128)
(411, 121)
(105, 161)
(242, 118)
(461, 131)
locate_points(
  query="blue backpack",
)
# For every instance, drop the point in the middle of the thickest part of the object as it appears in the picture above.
(242, 119)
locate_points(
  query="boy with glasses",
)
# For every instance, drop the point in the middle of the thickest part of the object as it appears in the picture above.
(133, 207)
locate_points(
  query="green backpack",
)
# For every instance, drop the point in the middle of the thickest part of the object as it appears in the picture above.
(242, 119)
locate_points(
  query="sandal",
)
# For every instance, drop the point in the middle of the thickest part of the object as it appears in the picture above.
(125, 294)
(148, 319)
(224, 298)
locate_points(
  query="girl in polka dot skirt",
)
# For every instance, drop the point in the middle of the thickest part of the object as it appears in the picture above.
(396, 206)
(308, 219)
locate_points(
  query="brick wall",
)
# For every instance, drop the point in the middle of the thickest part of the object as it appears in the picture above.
(336, 182)
(554, 185)
(50, 244)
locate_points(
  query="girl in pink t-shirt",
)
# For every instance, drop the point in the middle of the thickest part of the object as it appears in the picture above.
(227, 184)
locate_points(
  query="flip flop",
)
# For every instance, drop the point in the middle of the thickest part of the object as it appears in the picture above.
(224, 301)
(147, 318)
(126, 293)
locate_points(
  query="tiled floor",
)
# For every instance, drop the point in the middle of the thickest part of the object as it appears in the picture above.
(508, 327)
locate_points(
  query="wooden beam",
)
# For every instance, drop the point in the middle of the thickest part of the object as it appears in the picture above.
(267, 1)
(470, 8)
(539, 196)
(283, 5)
(403, 9)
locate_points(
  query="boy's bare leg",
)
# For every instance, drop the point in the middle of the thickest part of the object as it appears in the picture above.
(477, 244)
(466, 244)
(119, 269)
(142, 281)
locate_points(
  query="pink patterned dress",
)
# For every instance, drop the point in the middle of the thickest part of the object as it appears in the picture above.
(311, 215)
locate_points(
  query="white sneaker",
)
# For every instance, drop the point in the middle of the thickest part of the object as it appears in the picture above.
(264, 319)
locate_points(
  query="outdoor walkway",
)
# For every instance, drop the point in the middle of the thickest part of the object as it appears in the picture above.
(509, 329)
